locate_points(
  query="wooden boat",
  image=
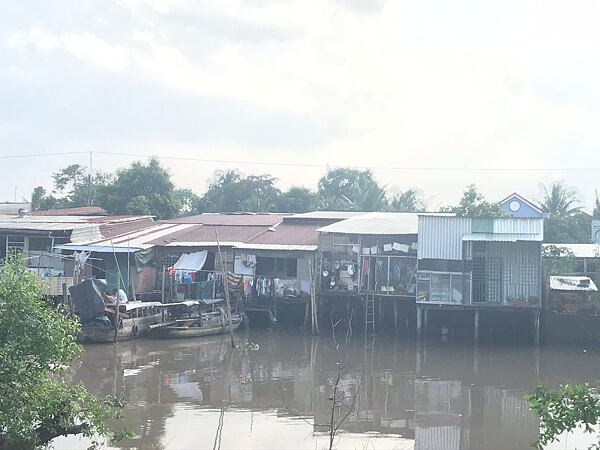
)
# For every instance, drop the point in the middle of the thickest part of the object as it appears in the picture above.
(207, 324)
(135, 319)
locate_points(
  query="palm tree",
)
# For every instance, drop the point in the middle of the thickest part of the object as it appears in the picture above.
(560, 201)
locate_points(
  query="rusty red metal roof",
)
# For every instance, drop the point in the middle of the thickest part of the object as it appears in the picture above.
(289, 234)
(205, 234)
(232, 219)
(109, 230)
(79, 211)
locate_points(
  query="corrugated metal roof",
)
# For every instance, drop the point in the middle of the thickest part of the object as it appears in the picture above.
(523, 225)
(580, 250)
(571, 283)
(79, 211)
(139, 239)
(42, 226)
(440, 236)
(278, 247)
(376, 223)
(202, 244)
(326, 215)
(231, 219)
(206, 233)
(504, 237)
(13, 208)
(290, 234)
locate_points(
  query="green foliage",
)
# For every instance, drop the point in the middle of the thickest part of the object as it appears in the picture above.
(560, 201)
(72, 187)
(407, 201)
(473, 204)
(41, 200)
(229, 191)
(558, 260)
(575, 229)
(185, 200)
(142, 189)
(346, 189)
(261, 193)
(564, 409)
(37, 344)
(296, 200)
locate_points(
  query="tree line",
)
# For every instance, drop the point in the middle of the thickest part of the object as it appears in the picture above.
(148, 188)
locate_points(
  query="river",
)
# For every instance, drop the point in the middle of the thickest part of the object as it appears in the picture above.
(201, 394)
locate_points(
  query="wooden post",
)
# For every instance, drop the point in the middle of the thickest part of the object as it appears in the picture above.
(65, 299)
(536, 328)
(226, 286)
(476, 331)
(163, 284)
(425, 321)
(395, 315)
(306, 313)
(313, 298)
(419, 330)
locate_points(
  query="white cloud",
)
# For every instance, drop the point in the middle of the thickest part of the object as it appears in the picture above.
(401, 84)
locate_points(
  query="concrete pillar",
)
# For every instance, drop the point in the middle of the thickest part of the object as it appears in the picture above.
(395, 316)
(476, 328)
(425, 321)
(419, 330)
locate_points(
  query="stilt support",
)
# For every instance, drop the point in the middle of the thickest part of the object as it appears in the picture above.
(536, 328)
(419, 330)
(476, 328)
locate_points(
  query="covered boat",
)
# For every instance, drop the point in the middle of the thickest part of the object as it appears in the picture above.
(100, 321)
(189, 320)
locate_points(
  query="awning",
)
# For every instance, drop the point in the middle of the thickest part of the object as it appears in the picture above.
(97, 249)
(191, 261)
(572, 283)
(501, 237)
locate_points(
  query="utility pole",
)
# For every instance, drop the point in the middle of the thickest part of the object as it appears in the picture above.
(90, 179)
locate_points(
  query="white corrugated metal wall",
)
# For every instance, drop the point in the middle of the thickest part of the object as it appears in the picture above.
(441, 237)
(514, 225)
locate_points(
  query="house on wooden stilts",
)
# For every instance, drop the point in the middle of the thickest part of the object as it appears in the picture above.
(485, 270)
(368, 268)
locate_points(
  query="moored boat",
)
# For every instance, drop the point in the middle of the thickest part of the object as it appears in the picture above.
(196, 322)
(135, 319)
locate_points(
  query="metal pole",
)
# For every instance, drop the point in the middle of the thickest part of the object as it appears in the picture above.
(90, 181)
(226, 286)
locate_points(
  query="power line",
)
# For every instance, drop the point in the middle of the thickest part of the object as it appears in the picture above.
(309, 165)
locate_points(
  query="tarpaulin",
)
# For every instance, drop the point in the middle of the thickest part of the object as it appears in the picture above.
(191, 261)
(88, 300)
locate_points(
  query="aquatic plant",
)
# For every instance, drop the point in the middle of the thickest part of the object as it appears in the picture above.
(564, 409)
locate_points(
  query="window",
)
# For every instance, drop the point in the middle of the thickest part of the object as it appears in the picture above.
(440, 287)
(291, 267)
(40, 244)
(15, 245)
(265, 266)
(277, 267)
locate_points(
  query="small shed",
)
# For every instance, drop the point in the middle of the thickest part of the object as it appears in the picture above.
(572, 295)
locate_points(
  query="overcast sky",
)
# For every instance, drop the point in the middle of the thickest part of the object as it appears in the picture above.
(390, 84)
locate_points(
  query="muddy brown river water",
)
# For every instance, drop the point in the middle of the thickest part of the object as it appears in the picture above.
(201, 394)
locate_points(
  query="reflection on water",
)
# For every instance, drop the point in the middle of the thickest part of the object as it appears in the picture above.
(200, 393)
